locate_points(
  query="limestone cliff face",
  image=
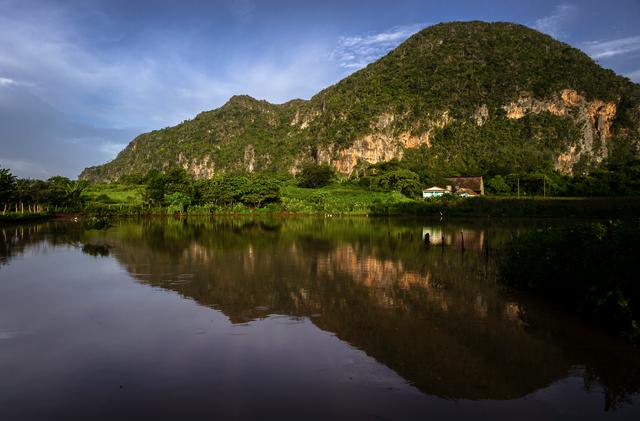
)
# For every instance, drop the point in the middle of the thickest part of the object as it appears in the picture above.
(383, 143)
(390, 134)
(373, 148)
(249, 158)
(302, 120)
(594, 118)
(199, 168)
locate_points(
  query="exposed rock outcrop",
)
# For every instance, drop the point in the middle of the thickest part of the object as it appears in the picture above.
(372, 148)
(481, 115)
(382, 144)
(595, 119)
(249, 158)
(199, 168)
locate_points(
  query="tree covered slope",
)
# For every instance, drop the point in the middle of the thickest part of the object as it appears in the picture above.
(469, 97)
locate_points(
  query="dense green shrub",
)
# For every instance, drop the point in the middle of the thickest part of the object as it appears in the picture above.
(97, 222)
(498, 186)
(314, 176)
(401, 180)
(7, 186)
(590, 269)
(178, 202)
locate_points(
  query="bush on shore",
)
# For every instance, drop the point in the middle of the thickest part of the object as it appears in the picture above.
(589, 269)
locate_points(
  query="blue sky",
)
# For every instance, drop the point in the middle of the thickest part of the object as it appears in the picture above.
(80, 78)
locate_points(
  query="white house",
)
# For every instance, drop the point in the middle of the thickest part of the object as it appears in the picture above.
(434, 192)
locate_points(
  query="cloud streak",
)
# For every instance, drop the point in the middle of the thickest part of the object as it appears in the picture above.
(73, 83)
(5, 81)
(355, 52)
(553, 24)
(612, 48)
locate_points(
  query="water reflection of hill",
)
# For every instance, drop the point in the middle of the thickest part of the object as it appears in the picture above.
(434, 314)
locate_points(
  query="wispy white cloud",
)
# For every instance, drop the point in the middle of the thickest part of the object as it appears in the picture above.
(354, 52)
(553, 24)
(612, 48)
(5, 81)
(46, 59)
(156, 87)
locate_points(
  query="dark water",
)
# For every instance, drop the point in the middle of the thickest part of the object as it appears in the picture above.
(295, 318)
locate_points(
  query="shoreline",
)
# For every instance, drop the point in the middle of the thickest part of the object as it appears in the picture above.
(482, 207)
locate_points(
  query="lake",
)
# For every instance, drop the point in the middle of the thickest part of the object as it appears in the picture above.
(291, 318)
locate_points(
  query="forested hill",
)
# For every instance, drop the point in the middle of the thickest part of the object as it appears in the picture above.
(455, 98)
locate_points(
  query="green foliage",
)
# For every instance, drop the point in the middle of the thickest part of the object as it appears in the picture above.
(178, 202)
(228, 190)
(499, 147)
(590, 268)
(115, 194)
(132, 179)
(58, 192)
(337, 200)
(155, 187)
(314, 176)
(260, 191)
(7, 185)
(615, 179)
(31, 192)
(14, 217)
(178, 180)
(103, 198)
(97, 222)
(222, 190)
(498, 186)
(403, 181)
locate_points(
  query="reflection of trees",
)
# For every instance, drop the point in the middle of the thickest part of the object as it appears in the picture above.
(434, 315)
(97, 250)
(607, 360)
(14, 240)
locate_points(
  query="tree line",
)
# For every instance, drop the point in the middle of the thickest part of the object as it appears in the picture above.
(28, 195)
(176, 191)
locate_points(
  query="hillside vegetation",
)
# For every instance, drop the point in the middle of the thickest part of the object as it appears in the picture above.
(455, 98)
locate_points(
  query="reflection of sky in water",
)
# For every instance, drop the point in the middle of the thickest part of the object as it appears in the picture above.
(302, 322)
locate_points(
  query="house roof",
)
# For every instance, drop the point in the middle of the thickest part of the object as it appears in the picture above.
(471, 183)
(463, 190)
(434, 189)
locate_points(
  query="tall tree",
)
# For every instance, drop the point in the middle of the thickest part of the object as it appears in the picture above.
(7, 185)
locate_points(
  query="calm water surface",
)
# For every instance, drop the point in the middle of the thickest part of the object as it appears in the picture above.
(300, 318)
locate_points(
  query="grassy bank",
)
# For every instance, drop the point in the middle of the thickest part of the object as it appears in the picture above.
(354, 200)
(487, 206)
(17, 217)
(337, 199)
(348, 200)
(114, 194)
(589, 269)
